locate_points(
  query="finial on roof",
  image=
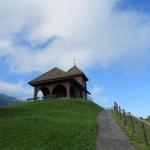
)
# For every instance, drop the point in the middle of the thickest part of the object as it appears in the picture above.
(74, 61)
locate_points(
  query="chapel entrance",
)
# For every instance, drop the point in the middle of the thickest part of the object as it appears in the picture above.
(59, 91)
(45, 91)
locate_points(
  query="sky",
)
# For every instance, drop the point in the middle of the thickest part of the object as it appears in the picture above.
(110, 40)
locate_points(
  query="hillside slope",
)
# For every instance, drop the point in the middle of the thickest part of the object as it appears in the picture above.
(49, 125)
(148, 119)
(136, 138)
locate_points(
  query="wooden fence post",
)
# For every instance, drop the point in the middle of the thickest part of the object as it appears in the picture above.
(115, 106)
(132, 122)
(118, 110)
(124, 117)
(144, 132)
(120, 114)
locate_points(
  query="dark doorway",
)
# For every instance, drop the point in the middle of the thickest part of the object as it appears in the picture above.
(45, 91)
(59, 91)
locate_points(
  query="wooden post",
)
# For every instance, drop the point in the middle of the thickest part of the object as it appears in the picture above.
(35, 94)
(120, 112)
(132, 122)
(124, 117)
(117, 109)
(115, 106)
(144, 132)
(68, 90)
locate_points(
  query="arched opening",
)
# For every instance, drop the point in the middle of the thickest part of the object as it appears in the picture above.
(72, 92)
(59, 91)
(45, 91)
(40, 95)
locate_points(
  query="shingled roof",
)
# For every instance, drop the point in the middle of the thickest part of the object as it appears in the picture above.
(74, 70)
(57, 73)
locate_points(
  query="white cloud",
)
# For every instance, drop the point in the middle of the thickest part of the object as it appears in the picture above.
(15, 88)
(97, 94)
(90, 30)
(96, 90)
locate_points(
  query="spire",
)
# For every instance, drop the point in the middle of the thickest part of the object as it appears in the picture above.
(74, 61)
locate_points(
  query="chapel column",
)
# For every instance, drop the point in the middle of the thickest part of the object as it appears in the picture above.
(68, 89)
(35, 93)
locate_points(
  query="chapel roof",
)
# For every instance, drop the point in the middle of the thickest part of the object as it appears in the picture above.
(56, 73)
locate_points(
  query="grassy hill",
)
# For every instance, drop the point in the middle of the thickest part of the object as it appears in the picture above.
(49, 125)
(136, 138)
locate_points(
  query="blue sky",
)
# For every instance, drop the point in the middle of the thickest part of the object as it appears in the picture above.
(138, 5)
(110, 40)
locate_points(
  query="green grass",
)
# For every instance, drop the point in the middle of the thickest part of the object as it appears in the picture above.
(148, 119)
(49, 125)
(136, 138)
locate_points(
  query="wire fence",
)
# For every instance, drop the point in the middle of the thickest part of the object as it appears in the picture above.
(138, 125)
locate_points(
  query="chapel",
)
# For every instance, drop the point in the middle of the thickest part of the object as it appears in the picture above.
(59, 83)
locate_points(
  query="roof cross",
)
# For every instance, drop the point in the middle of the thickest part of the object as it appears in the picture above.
(74, 61)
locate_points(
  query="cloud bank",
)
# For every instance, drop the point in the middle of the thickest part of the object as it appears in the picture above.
(17, 88)
(38, 34)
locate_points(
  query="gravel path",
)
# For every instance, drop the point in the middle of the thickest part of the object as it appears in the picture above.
(110, 136)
